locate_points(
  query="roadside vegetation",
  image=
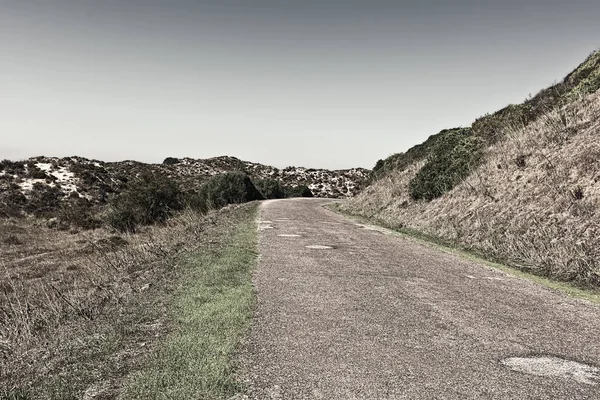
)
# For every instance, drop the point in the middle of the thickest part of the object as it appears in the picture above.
(520, 185)
(90, 295)
(212, 311)
(81, 312)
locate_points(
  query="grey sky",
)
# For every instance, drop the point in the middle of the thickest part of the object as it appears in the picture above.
(319, 83)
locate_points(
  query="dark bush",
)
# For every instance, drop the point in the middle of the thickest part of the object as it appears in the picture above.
(171, 161)
(34, 172)
(224, 189)
(298, 191)
(13, 167)
(379, 165)
(122, 219)
(77, 212)
(12, 201)
(577, 193)
(521, 161)
(451, 160)
(149, 199)
(270, 188)
(44, 200)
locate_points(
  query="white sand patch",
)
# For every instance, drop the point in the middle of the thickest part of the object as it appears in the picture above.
(63, 175)
(555, 367)
(27, 184)
(46, 167)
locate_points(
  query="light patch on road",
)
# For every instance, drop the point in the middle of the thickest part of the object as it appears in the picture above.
(289, 235)
(489, 278)
(556, 368)
(318, 247)
(373, 228)
(262, 225)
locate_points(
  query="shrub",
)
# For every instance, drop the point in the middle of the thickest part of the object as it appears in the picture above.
(400, 161)
(149, 199)
(77, 212)
(34, 172)
(298, 191)
(44, 200)
(171, 161)
(12, 201)
(13, 167)
(224, 189)
(270, 188)
(451, 160)
(122, 219)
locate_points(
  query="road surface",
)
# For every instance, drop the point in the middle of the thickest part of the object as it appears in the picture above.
(348, 312)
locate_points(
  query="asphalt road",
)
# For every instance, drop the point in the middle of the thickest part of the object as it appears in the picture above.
(378, 316)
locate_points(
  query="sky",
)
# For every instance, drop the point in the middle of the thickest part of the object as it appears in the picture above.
(314, 83)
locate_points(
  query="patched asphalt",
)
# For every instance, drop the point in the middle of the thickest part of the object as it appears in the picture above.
(345, 312)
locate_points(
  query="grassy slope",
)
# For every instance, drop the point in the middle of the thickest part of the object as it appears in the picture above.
(534, 202)
(211, 313)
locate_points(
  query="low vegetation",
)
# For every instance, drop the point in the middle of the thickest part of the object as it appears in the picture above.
(229, 188)
(270, 188)
(150, 199)
(81, 313)
(520, 185)
(212, 311)
(451, 160)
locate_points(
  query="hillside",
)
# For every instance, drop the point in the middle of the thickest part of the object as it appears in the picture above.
(521, 185)
(56, 179)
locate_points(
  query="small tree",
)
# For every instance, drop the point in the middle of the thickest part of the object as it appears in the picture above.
(298, 191)
(224, 189)
(270, 188)
(171, 161)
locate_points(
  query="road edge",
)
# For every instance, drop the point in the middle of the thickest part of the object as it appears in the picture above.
(566, 288)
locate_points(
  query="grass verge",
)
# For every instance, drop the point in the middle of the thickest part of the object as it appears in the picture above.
(437, 243)
(211, 313)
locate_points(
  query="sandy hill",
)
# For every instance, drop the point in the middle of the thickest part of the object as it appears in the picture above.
(521, 185)
(98, 180)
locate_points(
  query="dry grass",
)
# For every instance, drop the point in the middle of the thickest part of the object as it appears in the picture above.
(535, 201)
(78, 311)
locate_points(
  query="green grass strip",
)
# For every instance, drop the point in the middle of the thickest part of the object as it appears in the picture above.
(212, 313)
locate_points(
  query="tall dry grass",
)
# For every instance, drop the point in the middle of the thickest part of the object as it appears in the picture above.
(77, 308)
(534, 202)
